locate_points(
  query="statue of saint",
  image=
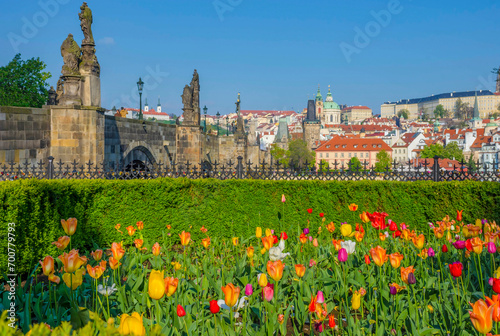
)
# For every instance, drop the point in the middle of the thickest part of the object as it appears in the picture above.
(187, 98)
(70, 52)
(85, 23)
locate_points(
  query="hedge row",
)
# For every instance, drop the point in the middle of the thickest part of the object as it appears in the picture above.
(226, 208)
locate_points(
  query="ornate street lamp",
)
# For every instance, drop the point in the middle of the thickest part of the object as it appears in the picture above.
(227, 125)
(205, 113)
(140, 86)
(218, 116)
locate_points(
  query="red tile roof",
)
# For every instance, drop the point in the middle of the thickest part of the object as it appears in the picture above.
(341, 144)
(356, 108)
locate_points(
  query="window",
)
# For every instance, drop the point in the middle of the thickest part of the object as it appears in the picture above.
(349, 154)
(320, 155)
(341, 154)
(327, 154)
(355, 154)
(327, 146)
(379, 146)
(336, 155)
(344, 146)
(364, 146)
(360, 155)
(355, 146)
(336, 146)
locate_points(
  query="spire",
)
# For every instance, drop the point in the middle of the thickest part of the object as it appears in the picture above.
(476, 109)
(318, 95)
(158, 108)
(159, 101)
(329, 97)
(498, 81)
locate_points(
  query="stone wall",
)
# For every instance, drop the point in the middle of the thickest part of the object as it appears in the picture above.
(189, 144)
(24, 134)
(127, 140)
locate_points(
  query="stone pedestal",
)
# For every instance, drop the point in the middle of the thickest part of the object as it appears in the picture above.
(188, 144)
(71, 95)
(91, 81)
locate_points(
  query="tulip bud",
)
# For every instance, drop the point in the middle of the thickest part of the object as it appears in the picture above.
(342, 255)
(306, 231)
(310, 211)
(444, 249)
(411, 279)
(248, 290)
(367, 259)
(214, 307)
(459, 244)
(283, 199)
(262, 279)
(319, 297)
(180, 311)
(492, 247)
(394, 290)
(430, 252)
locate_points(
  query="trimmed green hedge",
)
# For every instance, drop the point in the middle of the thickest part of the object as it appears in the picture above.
(226, 208)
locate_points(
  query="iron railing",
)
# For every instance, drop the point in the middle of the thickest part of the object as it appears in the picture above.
(410, 171)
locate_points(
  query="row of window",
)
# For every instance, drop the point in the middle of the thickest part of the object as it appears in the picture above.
(355, 146)
(361, 155)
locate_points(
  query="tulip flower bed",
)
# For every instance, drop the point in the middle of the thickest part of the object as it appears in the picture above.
(371, 276)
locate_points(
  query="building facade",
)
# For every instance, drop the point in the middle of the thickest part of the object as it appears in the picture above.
(356, 113)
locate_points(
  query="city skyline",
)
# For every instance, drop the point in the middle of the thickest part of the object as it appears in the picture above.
(274, 55)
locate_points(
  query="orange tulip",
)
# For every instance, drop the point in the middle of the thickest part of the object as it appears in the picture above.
(275, 269)
(205, 242)
(118, 251)
(379, 255)
(140, 225)
(235, 241)
(336, 244)
(138, 243)
(312, 305)
(185, 238)
(156, 249)
(203, 229)
(406, 234)
(495, 299)
(419, 241)
(62, 242)
(250, 251)
(477, 245)
(231, 294)
(438, 232)
(113, 263)
(395, 259)
(300, 270)
(171, 285)
(330, 227)
(103, 265)
(130, 230)
(97, 255)
(69, 226)
(95, 272)
(72, 261)
(482, 316)
(459, 215)
(47, 265)
(353, 207)
(382, 236)
(54, 278)
(424, 253)
(405, 271)
(117, 227)
(267, 241)
(303, 238)
(364, 217)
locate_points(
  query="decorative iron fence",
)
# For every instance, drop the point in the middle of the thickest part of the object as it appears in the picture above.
(426, 170)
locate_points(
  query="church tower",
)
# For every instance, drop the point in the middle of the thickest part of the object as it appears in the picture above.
(146, 106)
(331, 110)
(319, 104)
(498, 82)
(158, 107)
(476, 121)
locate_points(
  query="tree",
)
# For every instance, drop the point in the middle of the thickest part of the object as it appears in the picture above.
(472, 164)
(355, 164)
(403, 113)
(323, 164)
(383, 161)
(439, 111)
(430, 151)
(299, 153)
(280, 155)
(452, 151)
(462, 110)
(23, 83)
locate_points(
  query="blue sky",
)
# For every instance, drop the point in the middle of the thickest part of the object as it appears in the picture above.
(274, 52)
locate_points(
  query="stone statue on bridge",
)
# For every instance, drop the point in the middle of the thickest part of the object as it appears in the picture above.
(86, 23)
(191, 101)
(70, 52)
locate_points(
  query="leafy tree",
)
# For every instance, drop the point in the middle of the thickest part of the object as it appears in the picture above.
(403, 113)
(472, 164)
(430, 151)
(462, 110)
(23, 83)
(323, 165)
(452, 151)
(495, 115)
(299, 153)
(355, 164)
(439, 111)
(383, 161)
(280, 154)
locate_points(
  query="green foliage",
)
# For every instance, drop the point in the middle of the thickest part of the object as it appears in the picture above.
(23, 83)
(463, 110)
(296, 155)
(280, 154)
(355, 164)
(440, 112)
(227, 208)
(472, 164)
(383, 161)
(451, 151)
(403, 113)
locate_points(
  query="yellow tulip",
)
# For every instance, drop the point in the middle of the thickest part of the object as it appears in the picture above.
(346, 230)
(131, 325)
(235, 241)
(156, 285)
(250, 251)
(269, 232)
(69, 226)
(73, 280)
(419, 241)
(258, 232)
(177, 266)
(262, 279)
(356, 300)
(231, 294)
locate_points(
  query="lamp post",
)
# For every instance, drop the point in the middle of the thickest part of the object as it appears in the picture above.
(140, 85)
(227, 126)
(205, 113)
(218, 116)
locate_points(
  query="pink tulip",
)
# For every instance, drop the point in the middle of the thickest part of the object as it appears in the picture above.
(459, 244)
(283, 199)
(248, 290)
(492, 248)
(312, 263)
(268, 292)
(431, 252)
(310, 238)
(342, 255)
(320, 297)
(403, 226)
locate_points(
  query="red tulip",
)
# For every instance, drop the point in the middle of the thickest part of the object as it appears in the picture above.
(214, 307)
(321, 214)
(456, 269)
(180, 311)
(393, 226)
(444, 249)
(284, 236)
(275, 239)
(367, 259)
(468, 245)
(496, 285)
(459, 215)
(310, 211)
(396, 233)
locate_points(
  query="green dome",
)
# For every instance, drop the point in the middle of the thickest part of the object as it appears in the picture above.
(491, 124)
(329, 103)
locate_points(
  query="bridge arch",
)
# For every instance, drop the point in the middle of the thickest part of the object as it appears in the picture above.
(138, 155)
